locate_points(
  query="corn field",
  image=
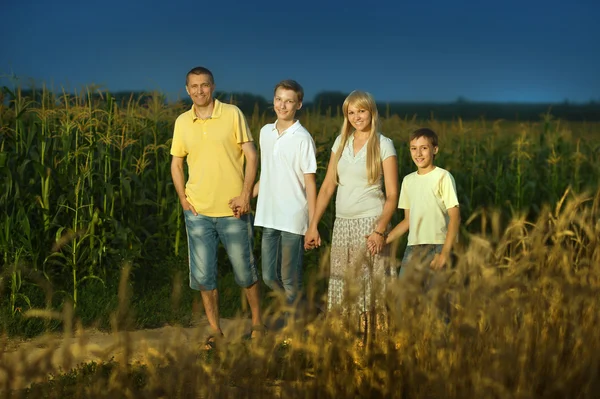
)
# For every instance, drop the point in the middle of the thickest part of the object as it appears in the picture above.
(86, 181)
(86, 198)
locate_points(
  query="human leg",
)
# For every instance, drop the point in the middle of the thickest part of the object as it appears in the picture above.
(292, 254)
(338, 264)
(202, 251)
(253, 297)
(271, 258)
(370, 274)
(237, 238)
(356, 282)
(210, 300)
(406, 259)
(419, 256)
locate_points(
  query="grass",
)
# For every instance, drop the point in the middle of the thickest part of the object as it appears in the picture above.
(99, 301)
(149, 286)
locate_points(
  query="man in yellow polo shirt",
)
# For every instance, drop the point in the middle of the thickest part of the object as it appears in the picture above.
(214, 138)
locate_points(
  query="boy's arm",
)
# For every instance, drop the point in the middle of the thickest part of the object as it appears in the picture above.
(310, 182)
(440, 260)
(400, 229)
(255, 189)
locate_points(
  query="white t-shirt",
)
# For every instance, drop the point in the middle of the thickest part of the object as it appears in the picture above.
(285, 159)
(356, 198)
(428, 197)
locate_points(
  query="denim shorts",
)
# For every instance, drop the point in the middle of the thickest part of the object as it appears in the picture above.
(236, 235)
(415, 255)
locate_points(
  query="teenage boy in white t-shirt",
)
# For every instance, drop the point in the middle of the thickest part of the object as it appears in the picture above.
(287, 191)
(431, 209)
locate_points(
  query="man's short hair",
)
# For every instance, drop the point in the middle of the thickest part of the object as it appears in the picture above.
(200, 71)
(427, 133)
(289, 84)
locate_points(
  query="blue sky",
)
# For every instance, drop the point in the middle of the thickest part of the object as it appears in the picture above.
(435, 50)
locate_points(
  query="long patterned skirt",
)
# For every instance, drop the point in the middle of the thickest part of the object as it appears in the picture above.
(356, 278)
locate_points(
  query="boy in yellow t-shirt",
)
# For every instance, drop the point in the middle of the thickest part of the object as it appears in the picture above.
(431, 211)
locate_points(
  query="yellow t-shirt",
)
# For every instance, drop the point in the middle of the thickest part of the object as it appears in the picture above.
(213, 148)
(428, 197)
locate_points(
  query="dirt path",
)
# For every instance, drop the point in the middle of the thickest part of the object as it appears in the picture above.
(25, 362)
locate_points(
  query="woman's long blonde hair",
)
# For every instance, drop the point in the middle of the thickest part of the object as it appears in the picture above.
(364, 100)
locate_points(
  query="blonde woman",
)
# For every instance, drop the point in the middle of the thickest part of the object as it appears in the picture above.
(362, 163)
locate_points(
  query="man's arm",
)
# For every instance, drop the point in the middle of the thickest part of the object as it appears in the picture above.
(179, 182)
(251, 168)
(241, 203)
(453, 226)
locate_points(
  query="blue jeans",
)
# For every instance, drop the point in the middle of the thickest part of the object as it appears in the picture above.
(235, 234)
(282, 255)
(419, 255)
(416, 256)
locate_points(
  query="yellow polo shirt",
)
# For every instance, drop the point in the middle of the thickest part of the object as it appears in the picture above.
(213, 151)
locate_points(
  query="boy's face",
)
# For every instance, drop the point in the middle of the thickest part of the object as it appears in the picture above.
(422, 152)
(285, 103)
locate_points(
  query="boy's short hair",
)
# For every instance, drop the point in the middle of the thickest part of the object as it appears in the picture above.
(427, 133)
(289, 84)
(200, 71)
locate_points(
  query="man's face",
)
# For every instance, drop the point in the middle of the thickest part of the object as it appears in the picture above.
(200, 88)
(285, 103)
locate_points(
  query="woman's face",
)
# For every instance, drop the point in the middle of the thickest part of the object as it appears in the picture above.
(359, 118)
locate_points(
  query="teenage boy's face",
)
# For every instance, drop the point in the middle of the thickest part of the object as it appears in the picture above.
(422, 152)
(286, 104)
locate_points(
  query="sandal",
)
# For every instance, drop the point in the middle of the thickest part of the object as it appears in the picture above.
(210, 342)
(258, 331)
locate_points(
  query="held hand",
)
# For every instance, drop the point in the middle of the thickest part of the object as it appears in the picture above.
(375, 243)
(314, 244)
(185, 204)
(438, 262)
(234, 208)
(240, 205)
(312, 239)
